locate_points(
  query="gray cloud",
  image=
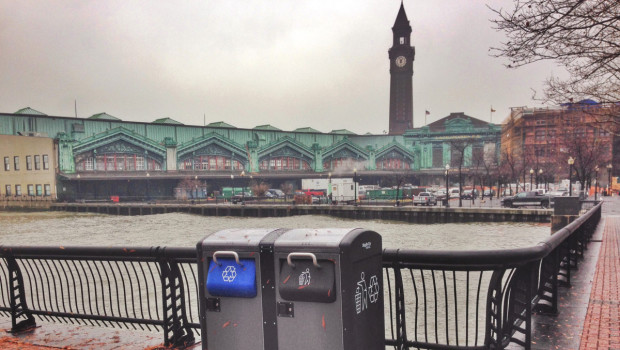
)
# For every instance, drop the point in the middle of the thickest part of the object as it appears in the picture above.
(287, 63)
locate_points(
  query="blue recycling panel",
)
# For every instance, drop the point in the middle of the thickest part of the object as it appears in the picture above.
(229, 279)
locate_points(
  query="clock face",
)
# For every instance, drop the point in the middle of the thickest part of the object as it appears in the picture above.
(401, 61)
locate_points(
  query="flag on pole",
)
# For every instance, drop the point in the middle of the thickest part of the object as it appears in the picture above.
(427, 113)
(492, 110)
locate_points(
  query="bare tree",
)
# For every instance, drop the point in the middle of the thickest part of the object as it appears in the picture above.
(583, 36)
(587, 151)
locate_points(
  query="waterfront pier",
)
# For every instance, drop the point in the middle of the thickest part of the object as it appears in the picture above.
(373, 212)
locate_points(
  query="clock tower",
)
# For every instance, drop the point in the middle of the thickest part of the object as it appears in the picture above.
(401, 56)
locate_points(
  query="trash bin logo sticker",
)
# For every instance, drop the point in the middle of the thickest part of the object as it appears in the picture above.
(304, 278)
(366, 292)
(229, 274)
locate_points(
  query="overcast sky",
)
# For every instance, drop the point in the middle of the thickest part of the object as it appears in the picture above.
(288, 63)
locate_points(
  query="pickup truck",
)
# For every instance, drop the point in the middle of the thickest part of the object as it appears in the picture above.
(425, 198)
(523, 199)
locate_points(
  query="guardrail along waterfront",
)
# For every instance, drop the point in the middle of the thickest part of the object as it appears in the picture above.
(401, 213)
(433, 299)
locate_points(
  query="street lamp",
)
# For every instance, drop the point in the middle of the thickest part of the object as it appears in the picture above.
(539, 178)
(195, 186)
(571, 161)
(329, 189)
(78, 181)
(609, 166)
(596, 169)
(232, 180)
(447, 190)
(242, 188)
(355, 184)
(531, 173)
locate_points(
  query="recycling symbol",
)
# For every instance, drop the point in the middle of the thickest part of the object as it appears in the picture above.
(373, 289)
(229, 274)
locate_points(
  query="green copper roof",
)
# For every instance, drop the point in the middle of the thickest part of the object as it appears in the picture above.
(221, 125)
(103, 116)
(267, 127)
(343, 132)
(166, 121)
(29, 110)
(306, 129)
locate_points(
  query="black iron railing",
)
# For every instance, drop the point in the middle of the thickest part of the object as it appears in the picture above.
(433, 299)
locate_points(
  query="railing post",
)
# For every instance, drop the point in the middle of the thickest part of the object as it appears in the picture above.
(177, 331)
(401, 330)
(19, 307)
(494, 327)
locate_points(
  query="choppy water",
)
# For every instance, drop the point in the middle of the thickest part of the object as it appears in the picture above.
(184, 230)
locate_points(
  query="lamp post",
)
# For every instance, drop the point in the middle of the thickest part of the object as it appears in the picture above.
(242, 188)
(147, 185)
(79, 192)
(447, 190)
(195, 186)
(596, 169)
(609, 167)
(355, 184)
(571, 161)
(531, 173)
(329, 189)
(540, 172)
(232, 180)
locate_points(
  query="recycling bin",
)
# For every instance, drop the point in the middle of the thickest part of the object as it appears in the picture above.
(329, 289)
(237, 289)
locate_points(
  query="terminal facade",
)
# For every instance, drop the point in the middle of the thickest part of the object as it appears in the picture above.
(108, 153)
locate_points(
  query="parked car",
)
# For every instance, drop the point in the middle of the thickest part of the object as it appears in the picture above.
(522, 199)
(489, 193)
(425, 198)
(454, 193)
(440, 195)
(241, 197)
(275, 193)
(470, 194)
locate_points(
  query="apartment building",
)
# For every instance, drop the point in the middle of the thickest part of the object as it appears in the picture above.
(28, 167)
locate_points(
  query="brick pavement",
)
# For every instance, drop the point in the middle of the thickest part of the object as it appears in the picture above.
(602, 324)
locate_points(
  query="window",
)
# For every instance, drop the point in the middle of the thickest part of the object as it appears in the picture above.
(48, 190)
(31, 190)
(16, 163)
(402, 40)
(46, 162)
(39, 190)
(7, 165)
(37, 162)
(28, 162)
(18, 190)
(8, 190)
(540, 135)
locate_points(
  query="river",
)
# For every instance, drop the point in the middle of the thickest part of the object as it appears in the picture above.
(185, 230)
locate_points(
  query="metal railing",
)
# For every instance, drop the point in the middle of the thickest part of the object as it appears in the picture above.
(433, 299)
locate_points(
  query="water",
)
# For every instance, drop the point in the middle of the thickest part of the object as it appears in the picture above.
(185, 230)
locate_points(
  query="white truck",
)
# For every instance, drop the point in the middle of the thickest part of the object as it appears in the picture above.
(340, 189)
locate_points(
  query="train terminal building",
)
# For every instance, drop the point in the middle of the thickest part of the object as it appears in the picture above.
(104, 156)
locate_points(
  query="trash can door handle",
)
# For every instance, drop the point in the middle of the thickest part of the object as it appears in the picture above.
(301, 255)
(227, 252)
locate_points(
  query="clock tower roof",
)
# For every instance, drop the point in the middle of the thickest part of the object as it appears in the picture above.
(401, 22)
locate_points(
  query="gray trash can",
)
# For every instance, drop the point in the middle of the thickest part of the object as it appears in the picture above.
(329, 293)
(237, 289)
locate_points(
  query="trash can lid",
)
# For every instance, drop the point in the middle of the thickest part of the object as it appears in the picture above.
(324, 238)
(237, 237)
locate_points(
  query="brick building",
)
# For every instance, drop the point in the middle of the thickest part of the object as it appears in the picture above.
(543, 139)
